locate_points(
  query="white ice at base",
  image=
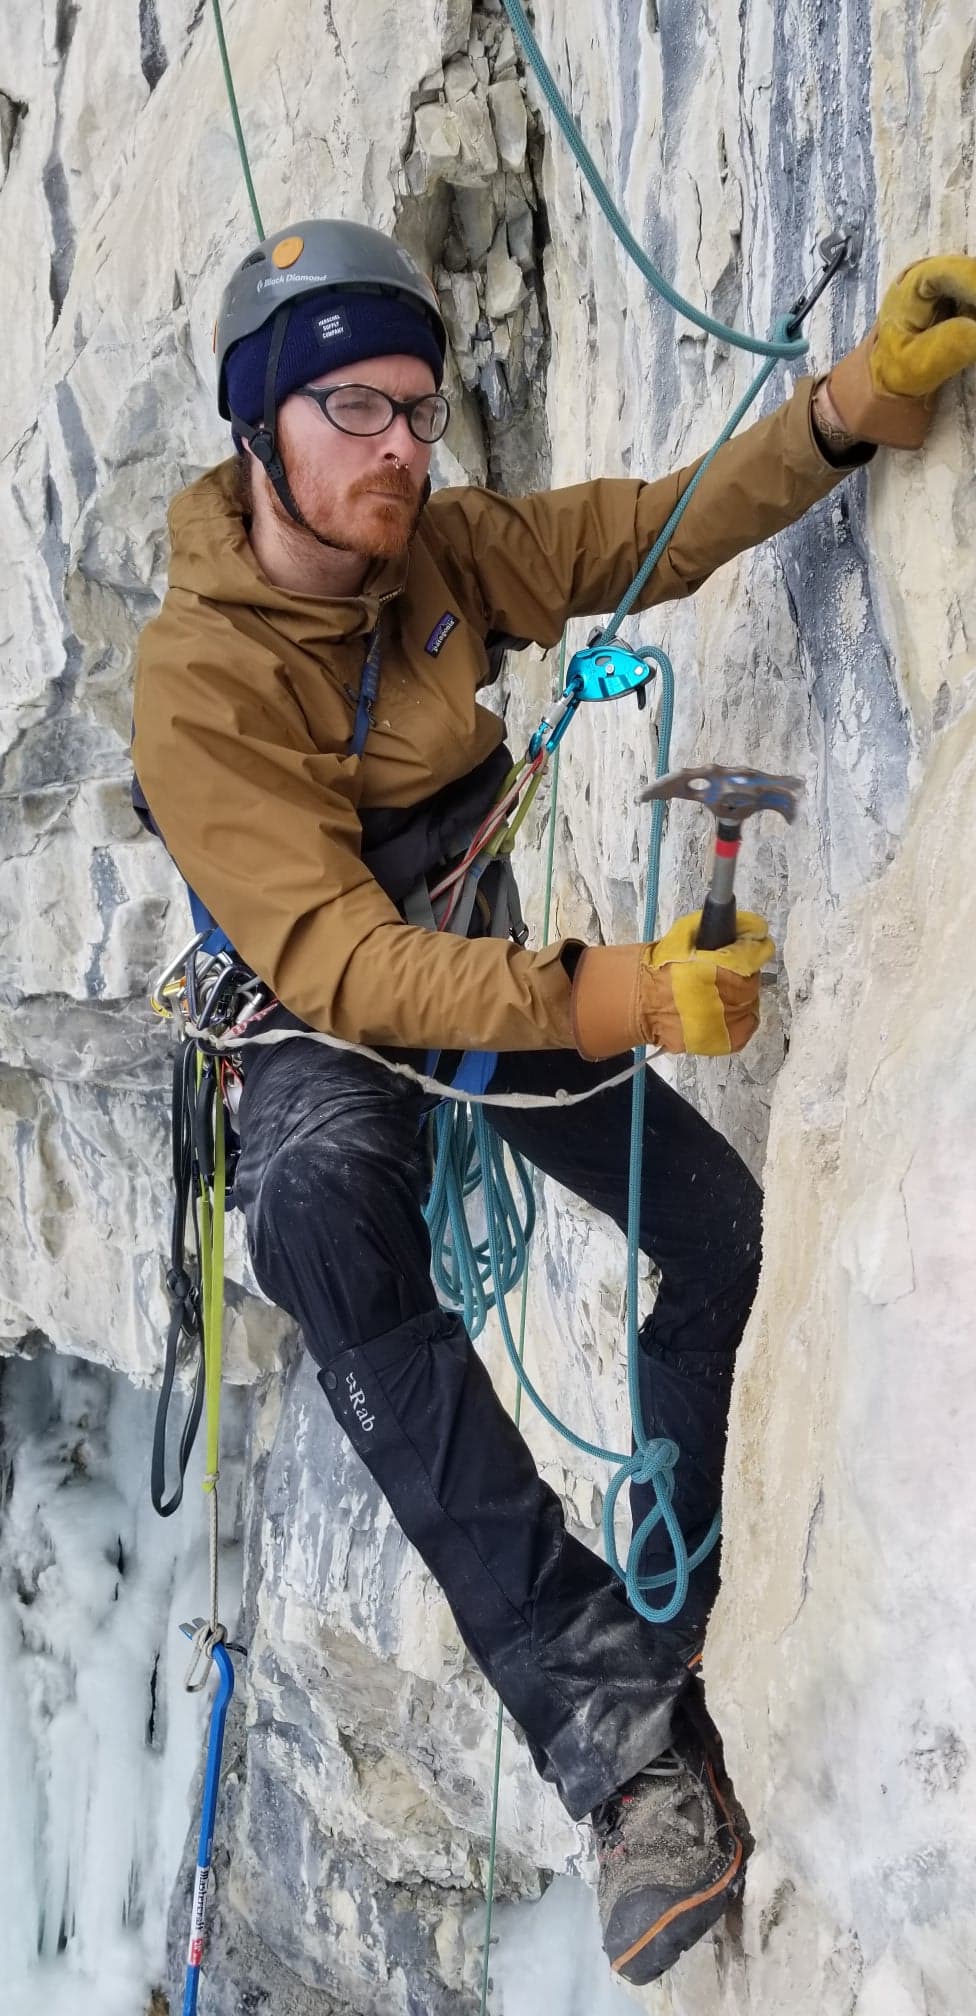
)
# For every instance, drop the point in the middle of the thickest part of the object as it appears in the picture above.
(94, 1804)
(547, 1957)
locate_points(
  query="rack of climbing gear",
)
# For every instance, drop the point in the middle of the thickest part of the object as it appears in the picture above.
(204, 989)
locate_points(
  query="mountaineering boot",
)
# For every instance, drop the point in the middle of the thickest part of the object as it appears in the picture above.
(671, 1849)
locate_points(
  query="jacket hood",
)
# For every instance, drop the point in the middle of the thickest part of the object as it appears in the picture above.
(212, 557)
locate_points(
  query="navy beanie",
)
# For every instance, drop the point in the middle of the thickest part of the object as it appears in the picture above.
(326, 332)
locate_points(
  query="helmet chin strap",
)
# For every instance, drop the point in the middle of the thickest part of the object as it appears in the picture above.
(263, 443)
(262, 440)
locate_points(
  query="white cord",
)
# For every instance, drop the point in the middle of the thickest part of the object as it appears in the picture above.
(525, 1100)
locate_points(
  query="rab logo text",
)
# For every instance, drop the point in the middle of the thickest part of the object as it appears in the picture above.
(367, 1421)
(440, 633)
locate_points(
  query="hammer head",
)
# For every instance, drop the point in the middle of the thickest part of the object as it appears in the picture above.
(732, 795)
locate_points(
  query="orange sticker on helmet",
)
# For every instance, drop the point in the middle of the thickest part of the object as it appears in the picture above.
(287, 251)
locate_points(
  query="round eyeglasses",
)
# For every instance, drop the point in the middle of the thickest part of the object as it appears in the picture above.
(361, 409)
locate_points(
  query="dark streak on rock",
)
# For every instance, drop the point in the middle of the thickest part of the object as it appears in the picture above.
(153, 1704)
(967, 111)
(152, 55)
(66, 21)
(12, 112)
(55, 187)
(81, 455)
(54, 180)
(826, 555)
(629, 32)
(110, 893)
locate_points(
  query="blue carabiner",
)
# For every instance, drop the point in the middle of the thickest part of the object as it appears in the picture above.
(198, 1919)
(549, 734)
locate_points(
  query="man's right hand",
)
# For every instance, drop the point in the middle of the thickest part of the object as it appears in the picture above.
(925, 334)
(670, 994)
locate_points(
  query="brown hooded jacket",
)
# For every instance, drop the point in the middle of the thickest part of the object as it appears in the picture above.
(245, 699)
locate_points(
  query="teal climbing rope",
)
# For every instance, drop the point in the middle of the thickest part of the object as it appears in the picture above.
(653, 1458)
(775, 347)
(461, 1265)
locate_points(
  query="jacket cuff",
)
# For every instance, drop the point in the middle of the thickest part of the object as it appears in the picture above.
(605, 1000)
(871, 414)
(854, 457)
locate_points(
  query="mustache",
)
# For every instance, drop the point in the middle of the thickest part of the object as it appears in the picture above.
(388, 483)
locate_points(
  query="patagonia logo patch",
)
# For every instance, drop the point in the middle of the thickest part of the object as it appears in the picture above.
(440, 633)
(331, 327)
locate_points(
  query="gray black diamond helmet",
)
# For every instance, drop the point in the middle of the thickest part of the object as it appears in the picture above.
(312, 258)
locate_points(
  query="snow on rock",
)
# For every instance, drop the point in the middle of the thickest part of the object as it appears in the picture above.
(356, 1810)
(99, 1742)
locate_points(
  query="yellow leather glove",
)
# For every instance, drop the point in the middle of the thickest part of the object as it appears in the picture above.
(670, 994)
(924, 334)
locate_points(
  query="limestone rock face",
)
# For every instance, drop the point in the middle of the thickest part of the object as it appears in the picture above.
(353, 1861)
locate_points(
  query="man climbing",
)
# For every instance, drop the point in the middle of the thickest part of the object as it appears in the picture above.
(308, 739)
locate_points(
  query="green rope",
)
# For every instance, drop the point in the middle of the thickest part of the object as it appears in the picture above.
(235, 115)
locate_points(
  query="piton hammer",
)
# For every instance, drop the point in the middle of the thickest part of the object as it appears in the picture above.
(732, 796)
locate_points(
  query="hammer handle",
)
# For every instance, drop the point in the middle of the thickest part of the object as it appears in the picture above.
(717, 926)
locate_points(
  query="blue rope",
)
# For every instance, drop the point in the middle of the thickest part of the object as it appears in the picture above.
(469, 1157)
(468, 1153)
(467, 1274)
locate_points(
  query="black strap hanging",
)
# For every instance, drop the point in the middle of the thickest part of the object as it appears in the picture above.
(183, 1288)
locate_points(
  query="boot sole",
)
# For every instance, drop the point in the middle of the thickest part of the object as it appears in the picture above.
(682, 1924)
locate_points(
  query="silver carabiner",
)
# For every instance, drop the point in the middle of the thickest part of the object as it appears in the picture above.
(177, 965)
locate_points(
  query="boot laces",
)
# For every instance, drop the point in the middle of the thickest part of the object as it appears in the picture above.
(608, 1816)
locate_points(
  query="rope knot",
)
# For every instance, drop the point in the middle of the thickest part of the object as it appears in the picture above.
(654, 1464)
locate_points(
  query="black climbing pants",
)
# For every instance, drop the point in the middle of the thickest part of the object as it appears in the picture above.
(331, 1180)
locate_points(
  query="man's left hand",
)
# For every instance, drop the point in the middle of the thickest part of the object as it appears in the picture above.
(925, 333)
